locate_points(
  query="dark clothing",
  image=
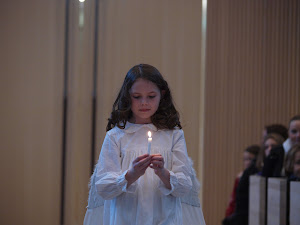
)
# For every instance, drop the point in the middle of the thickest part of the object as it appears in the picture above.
(274, 162)
(240, 215)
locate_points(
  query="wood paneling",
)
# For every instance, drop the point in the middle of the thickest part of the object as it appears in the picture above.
(129, 34)
(79, 109)
(31, 59)
(252, 79)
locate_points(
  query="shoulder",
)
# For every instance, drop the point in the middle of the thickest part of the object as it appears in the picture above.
(178, 133)
(115, 131)
(175, 133)
(114, 135)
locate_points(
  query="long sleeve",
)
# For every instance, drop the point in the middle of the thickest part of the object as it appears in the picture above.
(180, 173)
(110, 179)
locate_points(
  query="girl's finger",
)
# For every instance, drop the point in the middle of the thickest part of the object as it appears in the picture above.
(158, 163)
(140, 158)
(144, 161)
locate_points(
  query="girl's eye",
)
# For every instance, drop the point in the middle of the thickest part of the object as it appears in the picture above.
(136, 97)
(152, 96)
(294, 131)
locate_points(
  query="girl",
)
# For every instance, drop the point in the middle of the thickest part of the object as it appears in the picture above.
(270, 158)
(130, 186)
(292, 163)
(249, 155)
(294, 133)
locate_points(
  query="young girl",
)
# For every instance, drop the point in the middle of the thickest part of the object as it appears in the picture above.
(130, 186)
(271, 157)
(294, 133)
(292, 163)
(249, 155)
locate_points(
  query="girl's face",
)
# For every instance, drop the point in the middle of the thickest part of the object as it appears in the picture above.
(145, 97)
(296, 169)
(247, 158)
(269, 144)
(294, 132)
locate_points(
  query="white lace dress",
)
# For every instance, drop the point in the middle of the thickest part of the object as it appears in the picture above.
(147, 201)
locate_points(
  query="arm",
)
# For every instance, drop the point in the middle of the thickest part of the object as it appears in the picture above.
(177, 181)
(110, 179)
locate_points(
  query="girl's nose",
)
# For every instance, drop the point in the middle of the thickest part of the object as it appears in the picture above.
(144, 101)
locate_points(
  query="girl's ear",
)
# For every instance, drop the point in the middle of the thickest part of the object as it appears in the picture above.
(163, 92)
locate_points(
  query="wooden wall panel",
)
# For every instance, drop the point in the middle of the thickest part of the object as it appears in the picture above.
(129, 34)
(252, 79)
(31, 68)
(80, 84)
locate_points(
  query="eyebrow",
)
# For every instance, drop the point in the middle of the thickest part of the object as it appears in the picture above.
(152, 92)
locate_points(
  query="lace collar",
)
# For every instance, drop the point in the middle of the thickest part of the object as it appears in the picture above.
(132, 127)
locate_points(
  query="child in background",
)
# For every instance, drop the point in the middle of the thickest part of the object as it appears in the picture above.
(271, 157)
(292, 171)
(292, 163)
(249, 155)
(294, 133)
(130, 186)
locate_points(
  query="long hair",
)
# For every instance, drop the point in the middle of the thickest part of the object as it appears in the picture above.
(290, 159)
(166, 116)
(253, 149)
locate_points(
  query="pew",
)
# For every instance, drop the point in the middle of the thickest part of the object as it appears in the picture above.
(294, 203)
(257, 200)
(277, 201)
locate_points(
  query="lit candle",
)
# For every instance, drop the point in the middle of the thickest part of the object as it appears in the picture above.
(149, 142)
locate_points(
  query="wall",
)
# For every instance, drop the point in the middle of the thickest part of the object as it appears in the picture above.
(31, 87)
(252, 80)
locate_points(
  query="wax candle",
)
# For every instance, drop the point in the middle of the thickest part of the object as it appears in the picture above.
(149, 142)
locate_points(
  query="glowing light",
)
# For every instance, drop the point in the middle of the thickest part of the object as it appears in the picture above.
(149, 142)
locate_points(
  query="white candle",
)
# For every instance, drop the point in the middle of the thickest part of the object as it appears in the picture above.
(149, 142)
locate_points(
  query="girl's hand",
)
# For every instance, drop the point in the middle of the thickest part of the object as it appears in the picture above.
(157, 163)
(139, 166)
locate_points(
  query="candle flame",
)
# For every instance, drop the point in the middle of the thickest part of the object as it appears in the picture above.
(149, 134)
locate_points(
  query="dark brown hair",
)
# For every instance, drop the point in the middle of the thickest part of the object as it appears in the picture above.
(253, 149)
(290, 159)
(297, 117)
(166, 116)
(278, 129)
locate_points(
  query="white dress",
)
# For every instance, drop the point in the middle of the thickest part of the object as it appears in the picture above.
(147, 201)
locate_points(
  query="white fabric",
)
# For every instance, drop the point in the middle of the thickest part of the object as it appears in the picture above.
(192, 215)
(94, 216)
(287, 145)
(146, 201)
